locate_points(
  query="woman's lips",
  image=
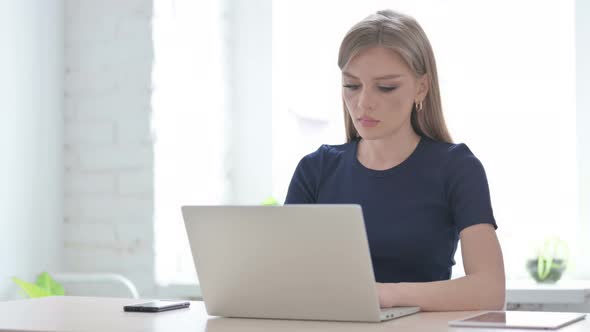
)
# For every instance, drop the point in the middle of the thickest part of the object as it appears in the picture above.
(368, 122)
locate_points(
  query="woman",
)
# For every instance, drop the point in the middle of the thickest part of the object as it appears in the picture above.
(420, 193)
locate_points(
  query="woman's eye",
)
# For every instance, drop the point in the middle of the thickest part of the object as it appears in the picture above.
(351, 86)
(387, 88)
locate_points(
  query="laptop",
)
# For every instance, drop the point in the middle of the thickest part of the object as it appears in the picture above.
(308, 262)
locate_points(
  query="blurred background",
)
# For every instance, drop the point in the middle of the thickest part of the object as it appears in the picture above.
(114, 113)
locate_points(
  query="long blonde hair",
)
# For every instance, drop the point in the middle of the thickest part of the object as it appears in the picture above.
(404, 35)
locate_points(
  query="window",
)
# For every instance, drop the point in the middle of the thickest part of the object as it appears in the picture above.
(508, 87)
(507, 82)
(189, 103)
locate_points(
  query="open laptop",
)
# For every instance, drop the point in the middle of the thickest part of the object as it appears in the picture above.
(287, 262)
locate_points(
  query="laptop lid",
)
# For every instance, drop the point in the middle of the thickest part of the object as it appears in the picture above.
(290, 262)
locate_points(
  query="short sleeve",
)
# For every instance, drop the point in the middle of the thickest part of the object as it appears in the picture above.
(467, 189)
(304, 184)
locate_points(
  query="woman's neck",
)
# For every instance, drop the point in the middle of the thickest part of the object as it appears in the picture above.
(387, 152)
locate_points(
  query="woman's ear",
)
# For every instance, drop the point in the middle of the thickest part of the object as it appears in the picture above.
(422, 85)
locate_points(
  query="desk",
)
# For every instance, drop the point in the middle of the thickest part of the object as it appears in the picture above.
(106, 314)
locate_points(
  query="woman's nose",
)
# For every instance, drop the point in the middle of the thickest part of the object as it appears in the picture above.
(366, 101)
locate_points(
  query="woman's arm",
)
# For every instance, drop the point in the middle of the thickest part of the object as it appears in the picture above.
(482, 288)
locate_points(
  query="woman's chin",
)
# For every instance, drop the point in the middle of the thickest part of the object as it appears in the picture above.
(369, 135)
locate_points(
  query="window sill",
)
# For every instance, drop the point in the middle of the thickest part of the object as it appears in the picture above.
(563, 292)
(180, 291)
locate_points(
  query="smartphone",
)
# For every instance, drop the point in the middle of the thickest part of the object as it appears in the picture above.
(157, 306)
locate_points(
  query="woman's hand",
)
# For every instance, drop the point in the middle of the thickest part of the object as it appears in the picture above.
(386, 295)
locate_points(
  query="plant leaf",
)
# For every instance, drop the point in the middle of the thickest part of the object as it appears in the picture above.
(45, 281)
(32, 290)
(270, 201)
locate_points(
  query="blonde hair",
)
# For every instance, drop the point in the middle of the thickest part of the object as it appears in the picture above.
(404, 35)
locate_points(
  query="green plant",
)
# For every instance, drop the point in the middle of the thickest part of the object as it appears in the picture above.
(270, 201)
(550, 262)
(44, 286)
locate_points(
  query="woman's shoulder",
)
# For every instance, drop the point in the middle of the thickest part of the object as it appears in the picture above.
(455, 159)
(449, 151)
(329, 151)
(327, 154)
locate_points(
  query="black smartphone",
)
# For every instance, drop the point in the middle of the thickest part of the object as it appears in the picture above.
(157, 306)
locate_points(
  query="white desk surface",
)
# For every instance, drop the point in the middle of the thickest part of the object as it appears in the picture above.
(106, 314)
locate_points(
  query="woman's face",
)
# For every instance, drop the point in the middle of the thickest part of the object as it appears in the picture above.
(379, 90)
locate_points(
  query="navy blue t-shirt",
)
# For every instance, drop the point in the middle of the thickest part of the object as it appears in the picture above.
(413, 212)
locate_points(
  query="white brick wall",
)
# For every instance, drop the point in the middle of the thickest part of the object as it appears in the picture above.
(108, 146)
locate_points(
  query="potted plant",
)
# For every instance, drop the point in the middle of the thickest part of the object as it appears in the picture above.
(550, 262)
(44, 286)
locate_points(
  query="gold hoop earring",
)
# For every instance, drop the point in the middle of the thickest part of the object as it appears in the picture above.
(418, 106)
